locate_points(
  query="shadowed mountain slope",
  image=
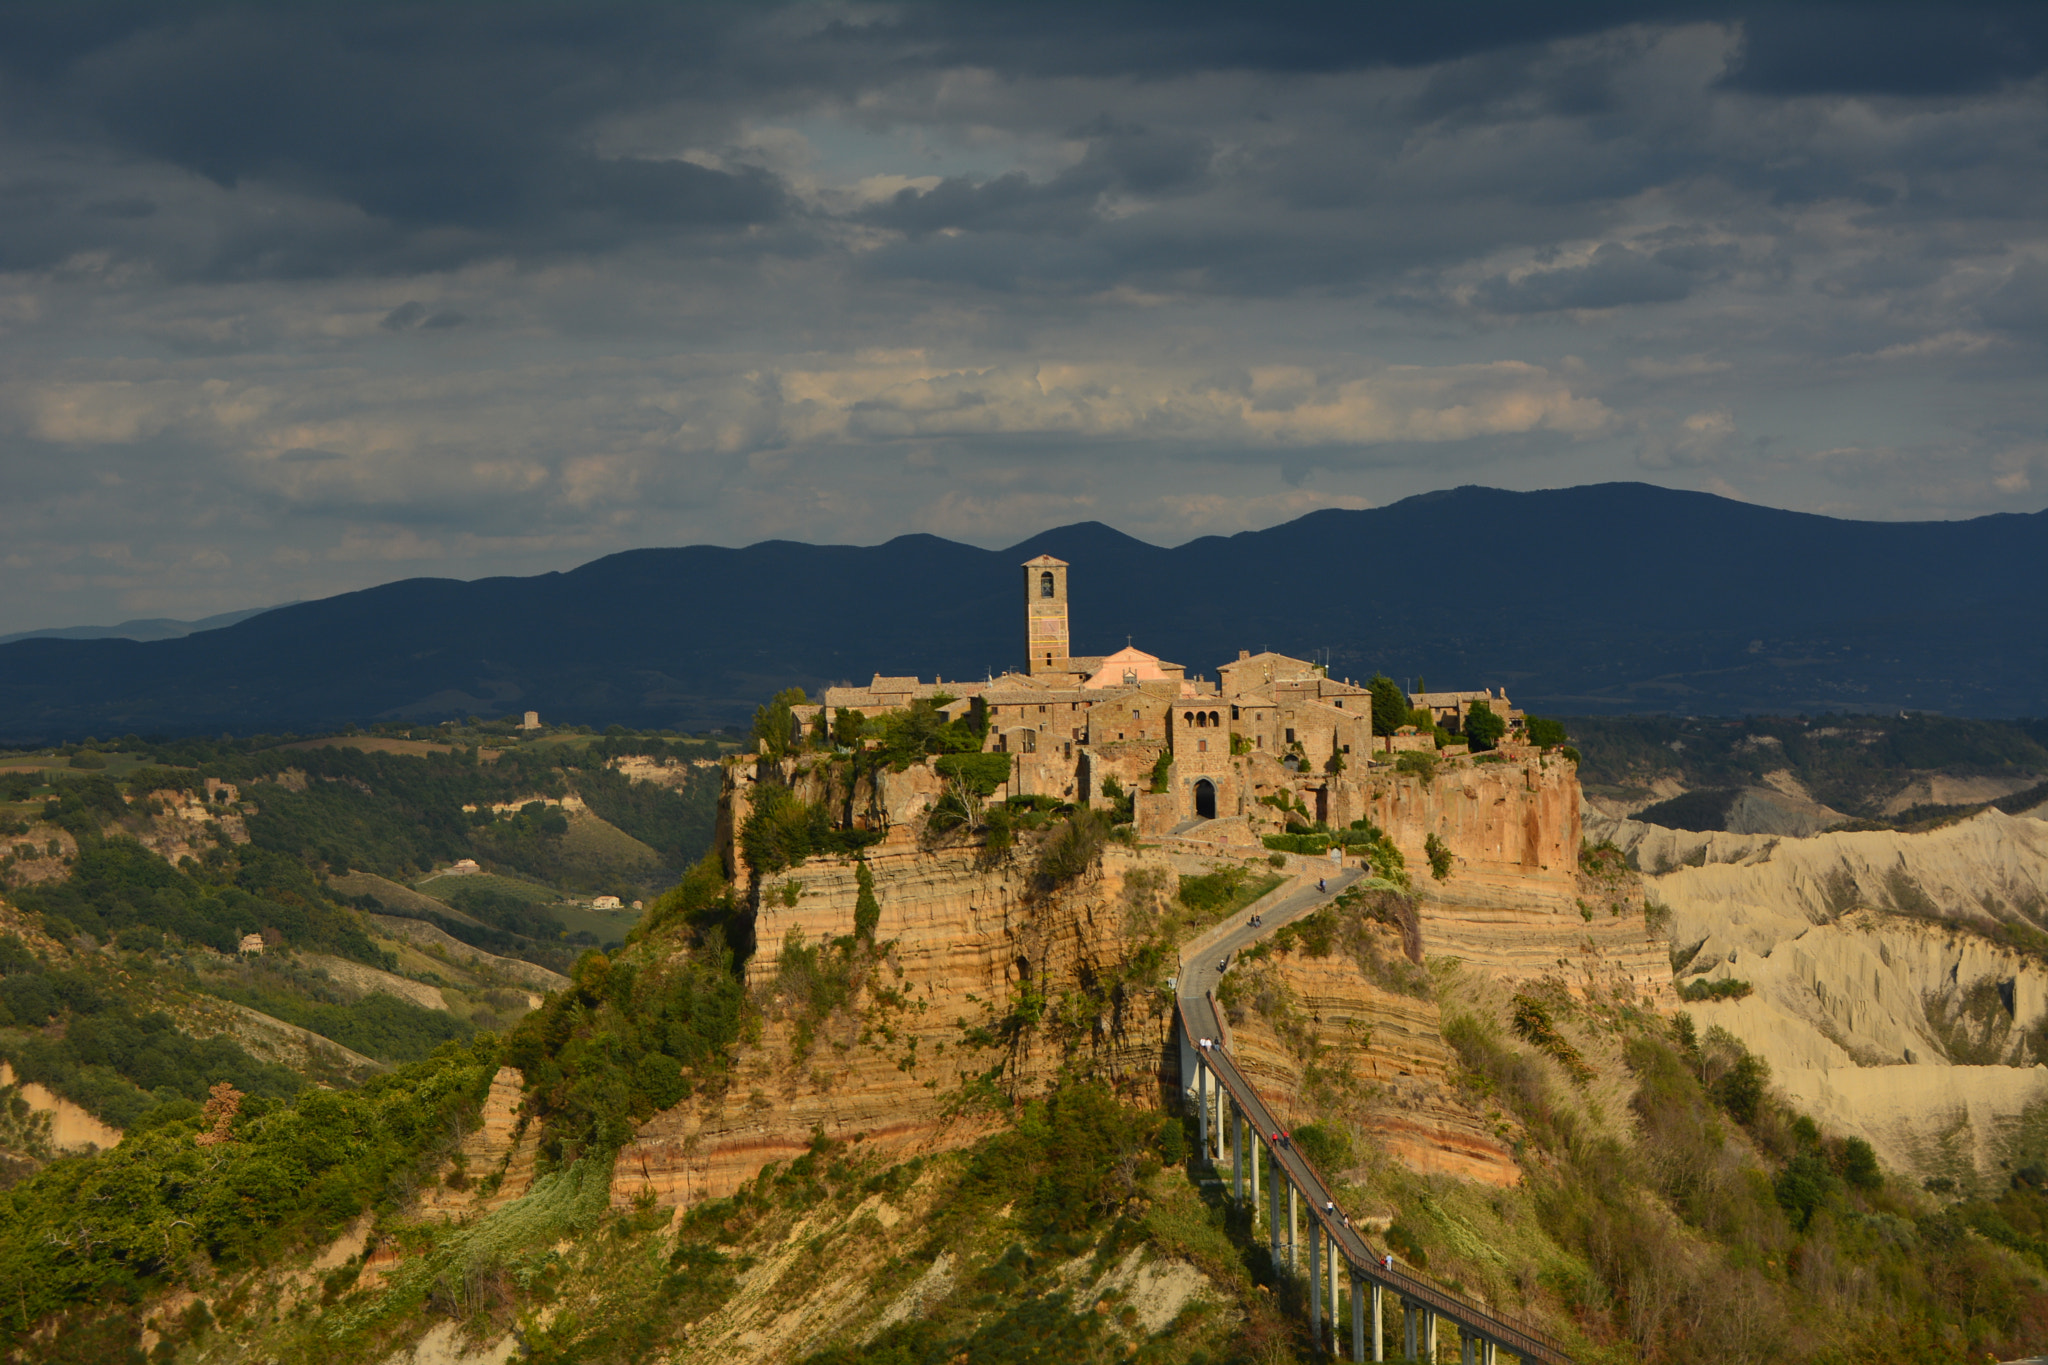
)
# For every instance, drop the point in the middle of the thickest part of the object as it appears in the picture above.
(1609, 598)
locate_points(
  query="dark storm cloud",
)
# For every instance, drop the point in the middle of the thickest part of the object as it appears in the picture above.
(485, 288)
(450, 133)
(470, 123)
(1615, 277)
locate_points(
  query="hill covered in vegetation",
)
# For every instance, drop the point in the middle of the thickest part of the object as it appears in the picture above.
(1616, 598)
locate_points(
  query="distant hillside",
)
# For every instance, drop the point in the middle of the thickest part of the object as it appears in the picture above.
(150, 628)
(1613, 598)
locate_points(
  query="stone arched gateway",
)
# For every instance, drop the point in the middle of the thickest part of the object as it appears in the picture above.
(1205, 798)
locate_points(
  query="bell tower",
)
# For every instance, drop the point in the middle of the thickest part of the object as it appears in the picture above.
(1045, 614)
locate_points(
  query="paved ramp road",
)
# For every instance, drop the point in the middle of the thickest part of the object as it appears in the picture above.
(1196, 995)
(1274, 910)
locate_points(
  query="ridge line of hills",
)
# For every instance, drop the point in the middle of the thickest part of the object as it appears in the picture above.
(1605, 599)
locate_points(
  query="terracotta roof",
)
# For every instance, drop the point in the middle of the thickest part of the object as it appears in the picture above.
(1129, 659)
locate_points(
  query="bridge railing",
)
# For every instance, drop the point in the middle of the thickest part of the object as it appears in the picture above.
(1517, 1335)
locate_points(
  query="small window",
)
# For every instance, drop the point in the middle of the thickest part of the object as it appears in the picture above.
(1215, 718)
(1045, 588)
(1201, 746)
(1290, 736)
(1234, 715)
(1031, 741)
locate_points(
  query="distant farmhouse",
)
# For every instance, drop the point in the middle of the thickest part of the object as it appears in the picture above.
(1267, 723)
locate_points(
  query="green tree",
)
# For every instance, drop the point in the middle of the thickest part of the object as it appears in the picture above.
(1545, 732)
(1483, 728)
(1335, 763)
(847, 727)
(867, 910)
(1162, 770)
(1389, 704)
(772, 723)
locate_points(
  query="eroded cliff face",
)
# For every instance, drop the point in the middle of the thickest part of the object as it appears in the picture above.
(1516, 905)
(1881, 993)
(1316, 1035)
(976, 982)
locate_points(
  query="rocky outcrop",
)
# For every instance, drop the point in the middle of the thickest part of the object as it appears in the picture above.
(1515, 904)
(183, 824)
(960, 946)
(43, 854)
(1315, 1035)
(493, 1164)
(60, 1125)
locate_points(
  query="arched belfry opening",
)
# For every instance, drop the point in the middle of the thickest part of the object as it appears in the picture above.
(1205, 798)
(1046, 587)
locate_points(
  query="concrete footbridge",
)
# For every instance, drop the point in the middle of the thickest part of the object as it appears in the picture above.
(1228, 1106)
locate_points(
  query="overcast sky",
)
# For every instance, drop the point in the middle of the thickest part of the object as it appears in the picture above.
(297, 299)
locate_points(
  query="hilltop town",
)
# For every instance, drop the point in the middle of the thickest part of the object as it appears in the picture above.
(1268, 734)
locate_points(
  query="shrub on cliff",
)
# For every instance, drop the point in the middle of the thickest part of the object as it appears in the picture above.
(624, 1041)
(1440, 858)
(1122, 804)
(1416, 763)
(1071, 849)
(867, 910)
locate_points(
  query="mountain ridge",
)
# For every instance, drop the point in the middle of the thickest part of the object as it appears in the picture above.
(1607, 598)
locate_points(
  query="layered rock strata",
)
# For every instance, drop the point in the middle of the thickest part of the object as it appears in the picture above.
(1329, 1038)
(961, 945)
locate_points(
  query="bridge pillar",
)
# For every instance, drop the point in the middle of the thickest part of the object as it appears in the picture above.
(1315, 1286)
(1336, 1299)
(1408, 1343)
(1273, 1213)
(1486, 1353)
(1293, 1227)
(1237, 1156)
(1429, 1335)
(1357, 1315)
(1467, 1352)
(1379, 1321)
(1202, 1106)
(1257, 1154)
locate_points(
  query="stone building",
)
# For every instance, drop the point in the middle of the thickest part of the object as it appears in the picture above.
(1270, 731)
